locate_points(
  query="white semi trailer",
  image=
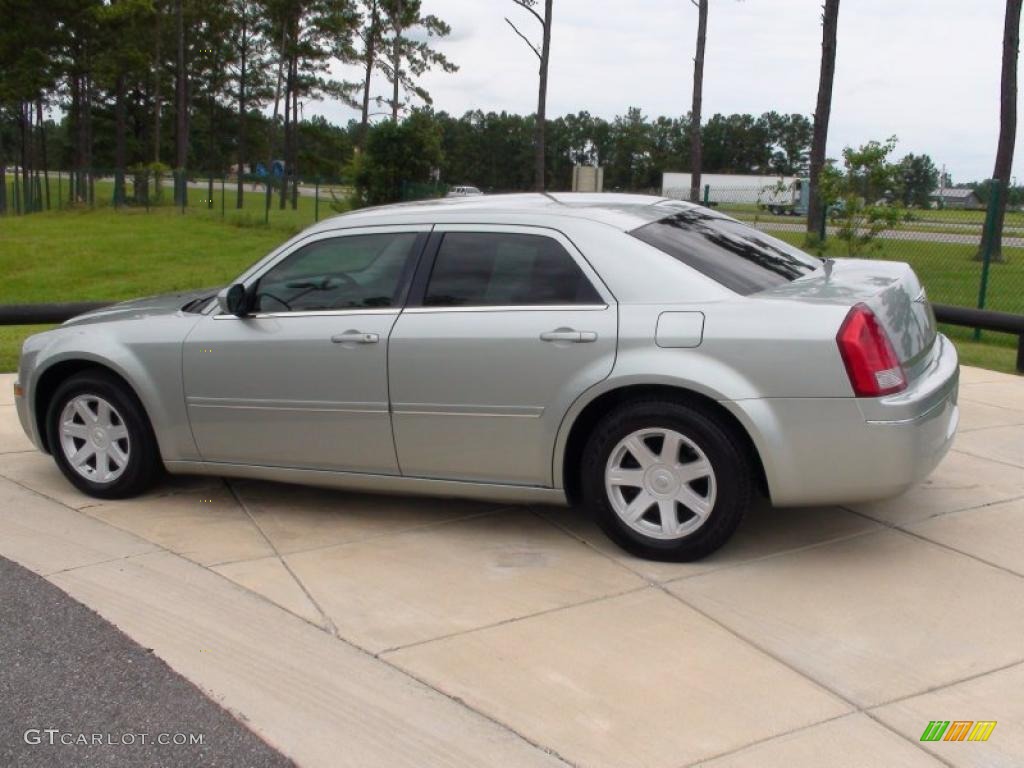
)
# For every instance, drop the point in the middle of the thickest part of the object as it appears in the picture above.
(781, 195)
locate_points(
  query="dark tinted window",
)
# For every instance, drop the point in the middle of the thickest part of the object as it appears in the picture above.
(353, 272)
(499, 269)
(737, 256)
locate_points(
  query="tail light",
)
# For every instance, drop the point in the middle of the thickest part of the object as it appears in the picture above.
(867, 353)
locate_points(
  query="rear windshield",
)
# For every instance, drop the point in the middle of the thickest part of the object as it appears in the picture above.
(739, 257)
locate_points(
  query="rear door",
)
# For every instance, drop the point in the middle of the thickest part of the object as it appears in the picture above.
(505, 327)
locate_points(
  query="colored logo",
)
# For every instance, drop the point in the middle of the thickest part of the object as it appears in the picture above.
(958, 730)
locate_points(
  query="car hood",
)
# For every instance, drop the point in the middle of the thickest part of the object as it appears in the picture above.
(164, 304)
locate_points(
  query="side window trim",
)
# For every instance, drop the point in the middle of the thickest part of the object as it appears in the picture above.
(415, 303)
(424, 268)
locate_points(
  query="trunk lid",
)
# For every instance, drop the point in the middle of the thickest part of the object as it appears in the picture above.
(890, 289)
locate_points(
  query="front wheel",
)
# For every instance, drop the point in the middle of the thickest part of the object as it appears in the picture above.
(666, 481)
(100, 437)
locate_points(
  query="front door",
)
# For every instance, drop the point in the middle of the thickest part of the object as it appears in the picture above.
(302, 382)
(510, 328)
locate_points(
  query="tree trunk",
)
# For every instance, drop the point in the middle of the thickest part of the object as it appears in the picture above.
(44, 163)
(539, 182)
(295, 149)
(181, 116)
(1007, 128)
(272, 127)
(370, 54)
(119, 142)
(3, 176)
(285, 156)
(24, 133)
(243, 55)
(696, 147)
(157, 103)
(822, 112)
(90, 174)
(396, 61)
(75, 126)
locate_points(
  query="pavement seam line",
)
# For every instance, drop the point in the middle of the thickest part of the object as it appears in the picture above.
(463, 703)
(735, 750)
(972, 430)
(899, 528)
(987, 458)
(943, 686)
(376, 536)
(156, 548)
(662, 586)
(890, 524)
(74, 568)
(757, 646)
(328, 622)
(951, 548)
(512, 620)
(239, 715)
(773, 556)
(333, 631)
(724, 567)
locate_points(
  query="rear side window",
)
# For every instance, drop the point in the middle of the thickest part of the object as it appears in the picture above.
(739, 257)
(505, 269)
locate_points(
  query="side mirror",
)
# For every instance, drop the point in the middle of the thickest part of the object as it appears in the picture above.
(233, 301)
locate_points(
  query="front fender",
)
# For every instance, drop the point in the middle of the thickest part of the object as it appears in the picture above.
(146, 354)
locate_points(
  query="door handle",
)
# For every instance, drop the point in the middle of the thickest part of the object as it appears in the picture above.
(355, 337)
(568, 334)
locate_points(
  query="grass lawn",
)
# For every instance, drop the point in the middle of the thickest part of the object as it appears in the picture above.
(107, 255)
(11, 338)
(102, 254)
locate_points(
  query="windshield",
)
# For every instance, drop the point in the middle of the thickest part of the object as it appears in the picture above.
(739, 257)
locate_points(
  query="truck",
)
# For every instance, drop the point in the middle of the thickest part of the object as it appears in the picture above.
(779, 195)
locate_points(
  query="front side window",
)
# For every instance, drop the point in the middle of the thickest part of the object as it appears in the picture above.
(353, 272)
(741, 258)
(505, 269)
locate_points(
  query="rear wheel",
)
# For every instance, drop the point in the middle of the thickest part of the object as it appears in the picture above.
(100, 436)
(666, 481)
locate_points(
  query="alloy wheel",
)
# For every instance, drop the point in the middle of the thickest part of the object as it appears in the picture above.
(660, 483)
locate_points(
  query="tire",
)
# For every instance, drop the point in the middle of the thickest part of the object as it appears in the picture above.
(612, 494)
(125, 437)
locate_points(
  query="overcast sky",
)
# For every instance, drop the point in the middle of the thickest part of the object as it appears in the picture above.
(926, 71)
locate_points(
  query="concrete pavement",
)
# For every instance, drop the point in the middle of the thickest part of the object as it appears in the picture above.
(374, 630)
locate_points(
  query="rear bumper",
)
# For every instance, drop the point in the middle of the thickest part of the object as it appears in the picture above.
(839, 450)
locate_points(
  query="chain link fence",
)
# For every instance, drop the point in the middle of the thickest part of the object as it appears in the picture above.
(943, 243)
(146, 188)
(249, 199)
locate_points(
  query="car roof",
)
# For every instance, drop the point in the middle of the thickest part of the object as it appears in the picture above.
(622, 211)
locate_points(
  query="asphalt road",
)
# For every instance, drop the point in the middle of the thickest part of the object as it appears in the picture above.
(63, 667)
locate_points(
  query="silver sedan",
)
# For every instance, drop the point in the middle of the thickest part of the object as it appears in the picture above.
(653, 361)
